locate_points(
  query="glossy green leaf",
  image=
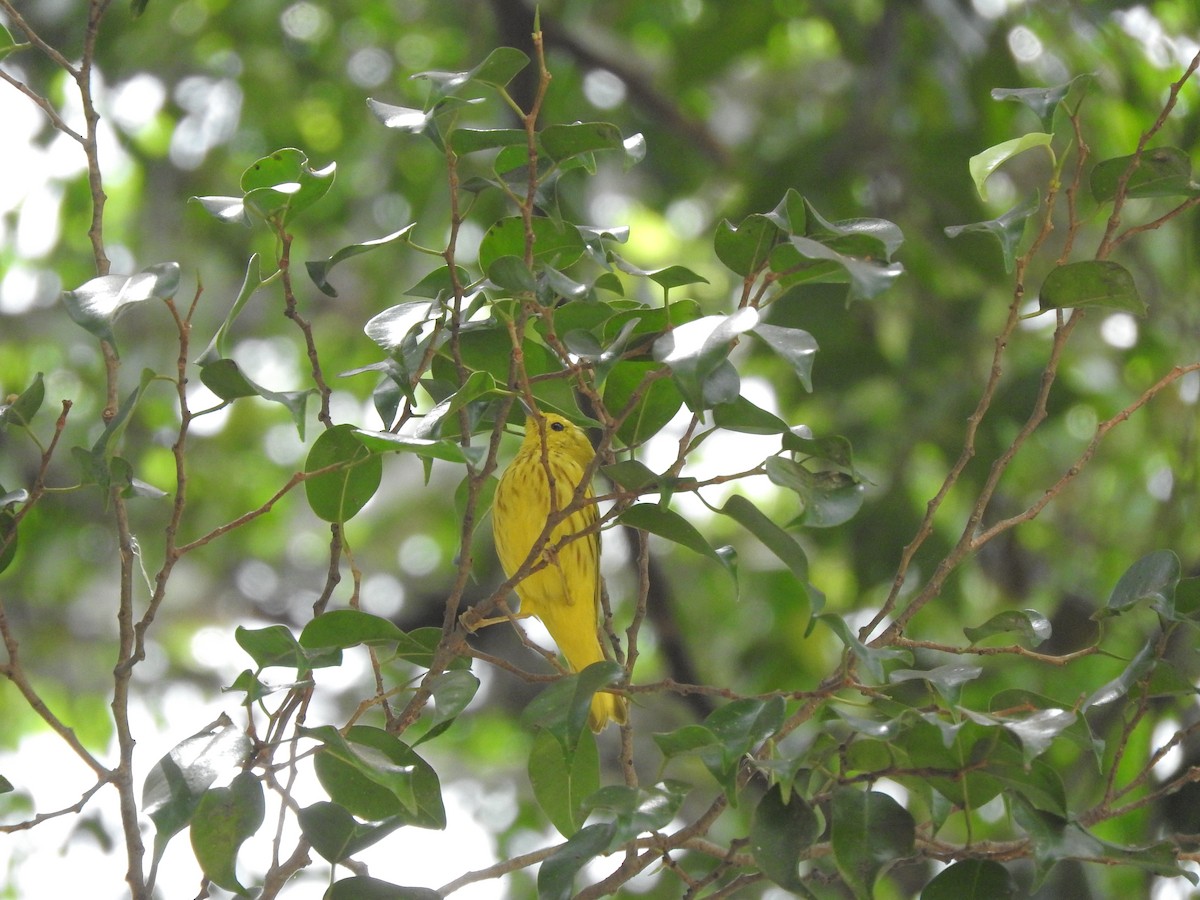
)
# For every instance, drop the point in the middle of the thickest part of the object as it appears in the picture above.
(552, 245)
(7, 44)
(561, 142)
(695, 350)
(470, 140)
(451, 691)
(1161, 172)
(345, 628)
(338, 495)
(224, 819)
(556, 877)
(1112, 691)
(1154, 578)
(175, 784)
(511, 274)
(336, 834)
(497, 69)
(947, 680)
(745, 248)
(1091, 284)
(450, 451)
(562, 779)
(218, 347)
(562, 709)
(401, 118)
(389, 328)
(794, 345)
(364, 887)
(972, 879)
(885, 237)
(743, 416)
(987, 161)
(280, 185)
(226, 209)
(1043, 101)
(1029, 623)
(780, 833)
(671, 526)
(829, 498)
(275, 645)
(868, 277)
(1007, 229)
(869, 830)
(225, 378)
(318, 270)
(872, 658)
(97, 304)
(25, 406)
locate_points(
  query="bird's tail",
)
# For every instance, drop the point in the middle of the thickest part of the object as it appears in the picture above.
(580, 644)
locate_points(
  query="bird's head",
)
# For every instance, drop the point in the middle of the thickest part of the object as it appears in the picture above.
(562, 436)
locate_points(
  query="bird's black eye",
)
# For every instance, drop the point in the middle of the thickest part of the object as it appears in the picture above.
(557, 426)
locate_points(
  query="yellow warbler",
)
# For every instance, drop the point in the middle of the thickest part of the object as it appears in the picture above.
(565, 593)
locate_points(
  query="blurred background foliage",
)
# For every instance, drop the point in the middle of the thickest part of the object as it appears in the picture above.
(866, 107)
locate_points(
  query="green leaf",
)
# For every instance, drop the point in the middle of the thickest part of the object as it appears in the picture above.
(562, 779)
(671, 526)
(226, 209)
(561, 142)
(1008, 230)
(655, 407)
(25, 406)
(176, 783)
(1161, 172)
(376, 776)
(225, 378)
(884, 237)
(471, 140)
(401, 118)
(780, 834)
(449, 451)
(497, 69)
(218, 347)
(562, 709)
(8, 526)
(275, 645)
(7, 44)
(338, 495)
(829, 498)
(552, 245)
(972, 879)
(742, 415)
(744, 249)
(318, 270)
(364, 887)
(1114, 690)
(1091, 284)
(666, 278)
(1153, 577)
(344, 628)
(279, 186)
(774, 538)
(389, 328)
(985, 163)
(793, 345)
(639, 810)
(947, 680)
(1043, 101)
(695, 350)
(451, 691)
(1029, 623)
(868, 277)
(223, 821)
(873, 658)
(869, 830)
(336, 834)
(98, 303)
(556, 877)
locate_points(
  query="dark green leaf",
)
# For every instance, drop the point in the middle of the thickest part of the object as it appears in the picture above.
(656, 405)
(275, 645)
(1114, 690)
(1043, 101)
(556, 877)
(1161, 172)
(778, 541)
(563, 708)
(8, 526)
(283, 184)
(742, 415)
(451, 691)
(98, 303)
(336, 834)
(780, 834)
(511, 274)
(972, 879)
(869, 830)
(867, 277)
(225, 379)
(218, 348)
(552, 245)
(1153, 577)
(639, 810)
(389, 328)
(470, 140)
(1091, 284)
(884, 237)
(829, 498)
(947, 680)
(671, 526)
(338, 495)
(223, 821)
(562, 779)
(384, 442)
(497, 69)
(1029, 623)
(696, 349)
(25, 406)
(318, 270)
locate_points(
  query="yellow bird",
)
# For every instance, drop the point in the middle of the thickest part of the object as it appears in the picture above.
(565, 593)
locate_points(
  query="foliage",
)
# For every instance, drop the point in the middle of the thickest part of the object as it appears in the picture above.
(893, 672)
